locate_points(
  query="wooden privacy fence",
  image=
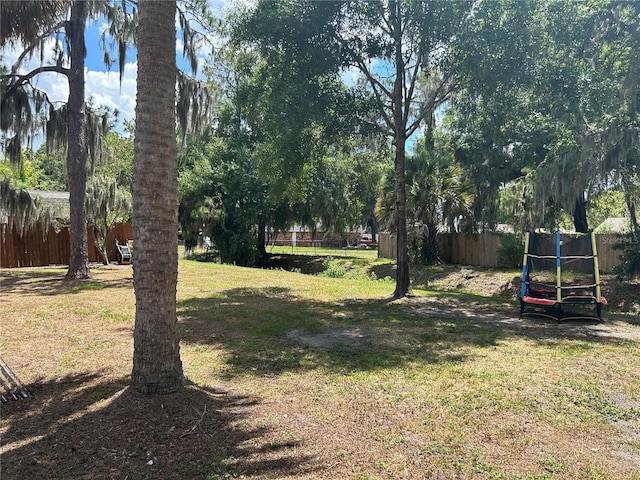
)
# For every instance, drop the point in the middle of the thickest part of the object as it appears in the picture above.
(35, 250)
(482, 249)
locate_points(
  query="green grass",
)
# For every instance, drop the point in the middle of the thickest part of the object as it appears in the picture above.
(367, 253)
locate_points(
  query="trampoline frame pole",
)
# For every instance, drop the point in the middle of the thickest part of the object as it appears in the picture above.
(596, 266)
(558, 268)
(525, 266)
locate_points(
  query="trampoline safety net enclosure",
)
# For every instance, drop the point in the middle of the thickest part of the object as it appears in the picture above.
(560, 277)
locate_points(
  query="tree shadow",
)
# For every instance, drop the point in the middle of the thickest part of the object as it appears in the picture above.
(46, 284)
(267, 331)
(90, 426)
(307, 264)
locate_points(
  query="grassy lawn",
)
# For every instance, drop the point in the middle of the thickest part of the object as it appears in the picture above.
(295, 376)
(368, 253)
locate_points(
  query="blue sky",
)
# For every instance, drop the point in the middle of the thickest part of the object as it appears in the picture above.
(102, 86)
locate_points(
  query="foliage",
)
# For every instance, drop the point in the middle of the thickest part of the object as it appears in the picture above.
(332, 268)
(280, 152)
(439, 197)
(493, 130)
(77, 126)
(220, 197)
(629, 266)
(38, 170)
(606, 204)
(516, 206)
(346, 268)
(107, 204)
(341, 189)
(556, 113)
(402, 51)
(510, 251)
(23, 211)
(118, 157)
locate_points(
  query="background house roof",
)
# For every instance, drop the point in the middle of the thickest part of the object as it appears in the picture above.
(612, 225)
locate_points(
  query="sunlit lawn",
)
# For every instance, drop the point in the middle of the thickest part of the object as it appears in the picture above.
(432, 387)
(368, 253)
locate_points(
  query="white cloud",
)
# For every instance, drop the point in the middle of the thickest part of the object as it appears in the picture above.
(55, 85)
(104, 88)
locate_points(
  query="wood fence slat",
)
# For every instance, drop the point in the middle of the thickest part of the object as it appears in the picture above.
(482, 249)
(33, 250)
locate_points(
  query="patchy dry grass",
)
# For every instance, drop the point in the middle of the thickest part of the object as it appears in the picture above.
(297, 376)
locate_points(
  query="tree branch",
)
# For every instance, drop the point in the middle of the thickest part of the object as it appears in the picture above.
(22, 79)
(36, 43)
(379, 90)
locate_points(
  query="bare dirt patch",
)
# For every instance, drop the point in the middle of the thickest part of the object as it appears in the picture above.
(348, 337)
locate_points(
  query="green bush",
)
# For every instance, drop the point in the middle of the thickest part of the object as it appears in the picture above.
(630, 259)
(510, 251)
(332, 268)
(338, 269)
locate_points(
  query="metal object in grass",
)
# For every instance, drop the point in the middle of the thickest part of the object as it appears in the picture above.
(13, 388)
(124, 252)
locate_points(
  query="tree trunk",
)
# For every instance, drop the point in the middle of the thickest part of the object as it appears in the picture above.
(403, 287)
(262, 237)
(100, 241)
(580, 216)
(628, 198)
(77, 150)
(157, 367)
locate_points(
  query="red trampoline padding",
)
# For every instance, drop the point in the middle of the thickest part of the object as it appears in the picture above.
(538, 301)
(550, 301)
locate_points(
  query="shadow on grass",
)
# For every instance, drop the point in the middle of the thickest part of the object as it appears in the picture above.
(85, 426)
(254, 326)
(45, 283)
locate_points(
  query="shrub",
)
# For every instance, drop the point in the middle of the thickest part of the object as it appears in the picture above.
(630, 258)
(332, 268)
(510, 251)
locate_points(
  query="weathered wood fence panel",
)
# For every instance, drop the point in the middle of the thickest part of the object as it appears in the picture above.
(33, 249)
(608, 257)
(387, 246)
(482, 249)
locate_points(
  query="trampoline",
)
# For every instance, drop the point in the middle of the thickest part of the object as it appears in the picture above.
(560, 277)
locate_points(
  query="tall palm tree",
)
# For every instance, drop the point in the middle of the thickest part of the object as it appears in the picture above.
(156, 359)
(22, 105)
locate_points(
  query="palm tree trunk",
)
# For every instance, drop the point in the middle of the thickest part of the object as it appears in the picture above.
(157, 367)
(77, 151)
